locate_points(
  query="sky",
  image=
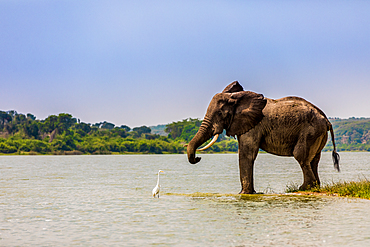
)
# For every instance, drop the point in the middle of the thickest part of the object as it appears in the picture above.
(155, 62)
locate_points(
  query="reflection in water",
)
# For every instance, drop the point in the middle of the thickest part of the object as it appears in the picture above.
(106, 200)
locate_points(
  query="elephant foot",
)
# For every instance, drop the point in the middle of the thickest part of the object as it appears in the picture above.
(309, 186)
(247, 192)
(303, 187)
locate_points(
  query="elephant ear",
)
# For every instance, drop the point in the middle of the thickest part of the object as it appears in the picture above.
(233, 87)
(247, 113)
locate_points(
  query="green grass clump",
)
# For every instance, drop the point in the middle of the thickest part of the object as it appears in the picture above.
(291, 188)
(359, 189)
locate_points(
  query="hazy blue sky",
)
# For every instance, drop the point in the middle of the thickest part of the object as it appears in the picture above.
(151, 62)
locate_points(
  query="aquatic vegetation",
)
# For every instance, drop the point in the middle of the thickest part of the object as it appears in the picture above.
(291, 188)
(219, 195)
(358, 189)
(258, 197)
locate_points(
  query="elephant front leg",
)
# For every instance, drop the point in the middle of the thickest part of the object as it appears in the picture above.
(246, 178)
(247, 154)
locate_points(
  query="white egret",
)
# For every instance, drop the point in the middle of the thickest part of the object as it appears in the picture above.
(155, 191)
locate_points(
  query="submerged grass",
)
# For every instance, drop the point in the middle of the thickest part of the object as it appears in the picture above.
(219, 195)
(204, 194)
(357, 189)
(254, 200)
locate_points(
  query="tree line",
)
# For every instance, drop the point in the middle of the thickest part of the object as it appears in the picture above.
(64, 134)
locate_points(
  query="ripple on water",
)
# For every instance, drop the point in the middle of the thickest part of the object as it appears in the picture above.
(106, 200)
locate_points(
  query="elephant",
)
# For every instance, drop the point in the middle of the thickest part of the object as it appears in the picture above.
(289, 126)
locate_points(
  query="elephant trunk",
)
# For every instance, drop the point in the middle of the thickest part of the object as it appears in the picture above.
(204, 133)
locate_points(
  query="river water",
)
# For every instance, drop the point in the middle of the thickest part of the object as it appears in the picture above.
(106, 201)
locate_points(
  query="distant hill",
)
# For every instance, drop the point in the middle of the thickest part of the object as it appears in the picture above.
(159, 129)
(351, 134)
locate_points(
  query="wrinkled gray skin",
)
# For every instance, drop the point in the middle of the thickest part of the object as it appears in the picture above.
(288, 126)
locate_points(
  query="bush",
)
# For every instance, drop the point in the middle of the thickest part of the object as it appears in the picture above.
(5, 148)
(39, 146)
(24, 148)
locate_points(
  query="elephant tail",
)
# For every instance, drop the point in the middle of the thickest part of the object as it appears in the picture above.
(335, 155)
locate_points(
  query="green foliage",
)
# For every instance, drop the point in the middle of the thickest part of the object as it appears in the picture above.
(65, 121)
(31, 128)
(120, 131)
(31, 116)
(63, 134)
(292, 187)
(60, 123)
(351, 134)
(125, 127)
(4, 118)
(359, 189)
(82, 128)
(6, 148)
(107, 125)
(184, 130)
(142, 130)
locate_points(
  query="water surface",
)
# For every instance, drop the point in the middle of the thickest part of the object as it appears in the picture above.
(106, 200)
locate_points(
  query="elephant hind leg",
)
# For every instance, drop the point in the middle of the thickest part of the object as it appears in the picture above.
(309, 179)
(307, 153)
(316, 159)
(314, 167)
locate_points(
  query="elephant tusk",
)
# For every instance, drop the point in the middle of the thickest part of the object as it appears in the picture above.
(209, 144)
